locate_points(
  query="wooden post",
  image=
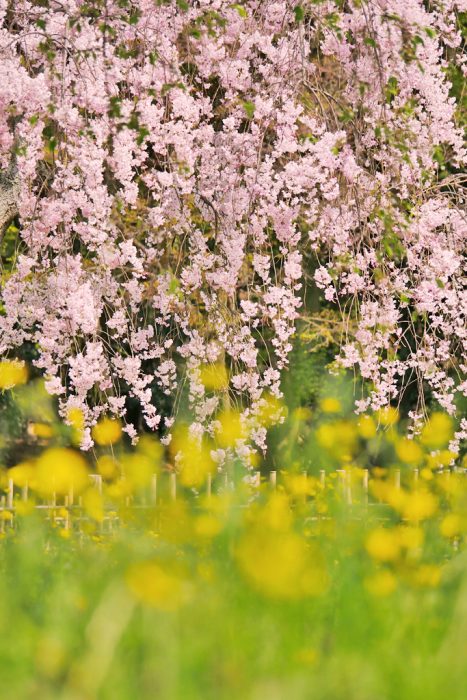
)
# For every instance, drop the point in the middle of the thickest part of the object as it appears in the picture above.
(173, 486)
(154, 489)
(348, 483)
(397, 478)
(366, 475)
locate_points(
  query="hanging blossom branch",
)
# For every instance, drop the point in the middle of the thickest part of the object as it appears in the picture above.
(180, 161)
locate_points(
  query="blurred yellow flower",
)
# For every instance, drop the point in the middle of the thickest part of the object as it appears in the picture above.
(276, 514)
(451, 525)
(206, 526)
(389, 493)
(58, 470)
(381, 584)
(330, 405)
(420, 505)
(410, 537)
(271, 411)
(93, 504)
(279, 564)
(409, 451)
(387, 416)
(426, 474)
(156, 586)
(107, 431)
(438, 431)
(137, 469)
(12, 372)
(339, 438)
(40, 430)
(24, 507)
(75, 418)
(366, 427)
(107, 467)
(214, 376)
(150, 447)
(230, 428)
(301, 485)
(22, 474)
(427, 575)
(383, 544)
(442, 458)
(302, 413)
(193, 457)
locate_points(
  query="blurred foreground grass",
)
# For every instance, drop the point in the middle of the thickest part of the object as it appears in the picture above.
(345, 581)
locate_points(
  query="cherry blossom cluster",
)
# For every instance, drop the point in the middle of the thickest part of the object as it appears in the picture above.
(183, 165)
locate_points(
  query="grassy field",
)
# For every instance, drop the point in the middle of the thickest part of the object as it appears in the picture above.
(344, 580)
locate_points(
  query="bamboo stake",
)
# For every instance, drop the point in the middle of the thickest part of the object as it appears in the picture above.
(173, 486)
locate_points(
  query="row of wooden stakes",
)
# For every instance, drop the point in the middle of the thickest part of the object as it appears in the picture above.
(167, 486)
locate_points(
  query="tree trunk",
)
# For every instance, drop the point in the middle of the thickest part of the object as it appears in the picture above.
(9, 195)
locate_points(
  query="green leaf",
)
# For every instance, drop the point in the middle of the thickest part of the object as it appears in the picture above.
(299, 13)
(249, 108)
(241, 10)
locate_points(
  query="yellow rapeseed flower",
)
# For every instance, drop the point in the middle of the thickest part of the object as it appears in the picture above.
(451, 525)
(107, 431)
(193, 457)
(420, 505)
(427, 575)
(107, 467)
(22, 474)
(156, 586)
(409, 451)
(438, 431)
(276, 514)
(339, 438)
(442, 458)
(230, 428)
(302, 413)
(383, 544)
(41, 430)
(119, 489)
(366, 427)
(388, 416)
(214, 376)
(138, 469)
(93, 504)
(12, 373)
(330, 404)
(279, 565)
(75, 418)
(302, 485)
(271, 411)
(206, 526)
(410, 537)
(381, 584)
(59, 470)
